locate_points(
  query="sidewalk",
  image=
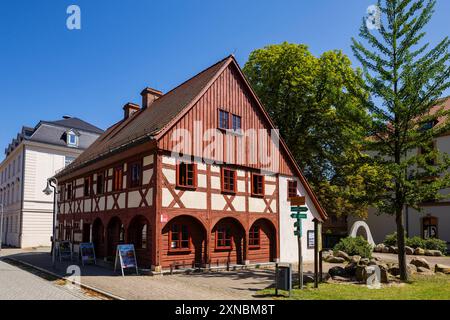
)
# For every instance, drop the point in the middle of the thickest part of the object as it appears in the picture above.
(237, 285)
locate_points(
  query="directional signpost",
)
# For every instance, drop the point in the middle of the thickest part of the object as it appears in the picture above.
(298, 212)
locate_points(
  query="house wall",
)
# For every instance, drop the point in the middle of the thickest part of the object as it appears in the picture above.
(288, 241)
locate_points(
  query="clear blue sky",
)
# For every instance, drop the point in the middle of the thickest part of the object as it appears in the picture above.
(48, 71)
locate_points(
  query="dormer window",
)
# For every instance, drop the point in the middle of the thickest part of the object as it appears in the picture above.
(72, 139)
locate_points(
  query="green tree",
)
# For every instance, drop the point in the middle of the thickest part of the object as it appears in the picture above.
(405, 80)
(314, 101)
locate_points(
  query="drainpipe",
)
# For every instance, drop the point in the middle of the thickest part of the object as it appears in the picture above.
(22, 200)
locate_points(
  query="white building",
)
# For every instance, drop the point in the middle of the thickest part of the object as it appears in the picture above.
(432, 221)
(31, 158)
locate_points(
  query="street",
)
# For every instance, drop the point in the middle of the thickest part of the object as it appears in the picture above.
(18, 284)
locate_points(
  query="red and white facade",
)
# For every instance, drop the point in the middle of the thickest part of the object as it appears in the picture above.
(194, 177)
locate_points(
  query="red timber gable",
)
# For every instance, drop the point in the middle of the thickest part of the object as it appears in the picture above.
(222, 205)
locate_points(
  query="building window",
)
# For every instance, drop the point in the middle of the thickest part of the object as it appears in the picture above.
(228, 180)
(224, 120)
(186, 175)
(429, 227)
(87, 186)
(224, 239)
(118, 178)
(257, 185)
(100, 183)
(135, 174)
(69, 191)
(292, 189)
(236, 123)
(254, 237)
(72, 139)
(179, 237)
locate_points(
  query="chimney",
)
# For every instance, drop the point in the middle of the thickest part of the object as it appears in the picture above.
(129, 109)
(149, 95)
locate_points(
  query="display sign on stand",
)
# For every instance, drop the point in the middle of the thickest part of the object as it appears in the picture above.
(64, 250)
(126, 256)
(87, 252)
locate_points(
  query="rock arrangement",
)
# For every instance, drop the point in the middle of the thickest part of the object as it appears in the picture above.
(382, 248)
(356, 268)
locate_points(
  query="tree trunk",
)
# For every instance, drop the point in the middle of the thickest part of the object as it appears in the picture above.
(401, 244)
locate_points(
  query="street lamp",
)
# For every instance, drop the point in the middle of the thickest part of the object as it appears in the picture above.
(52, 183)
(1, 226)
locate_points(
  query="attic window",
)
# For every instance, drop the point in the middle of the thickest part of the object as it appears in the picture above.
(72, 139)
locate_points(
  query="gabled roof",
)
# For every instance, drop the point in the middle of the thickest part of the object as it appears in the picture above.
(155, 121)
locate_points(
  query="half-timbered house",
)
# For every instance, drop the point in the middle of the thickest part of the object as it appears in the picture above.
(195, 176)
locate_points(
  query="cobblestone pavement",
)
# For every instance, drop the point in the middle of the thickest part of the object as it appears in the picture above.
(18, 284)
(237, 285)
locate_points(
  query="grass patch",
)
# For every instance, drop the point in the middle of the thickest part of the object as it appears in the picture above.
(420, 288)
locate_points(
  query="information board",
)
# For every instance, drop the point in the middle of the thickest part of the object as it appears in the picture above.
(87, 252)
(126, 256)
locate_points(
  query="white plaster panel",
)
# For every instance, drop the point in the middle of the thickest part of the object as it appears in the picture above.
(169, 160)
(149, 197)
(239, 203)
(194, 200)
(121, 201)
(217, 202)
(147, 176)
(215, 183)
(269, 189)
(241, 186)
(201, 180)
(215, 168)
(134, 199)
(256, 205)
(148, 160)
(167, 197)
(87, 205)
(170, 175)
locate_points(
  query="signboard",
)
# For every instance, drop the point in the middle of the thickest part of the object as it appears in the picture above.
(87, 253)
(126, 256)
(311, 239)
(64, 250)
(297, 201)
(299, 209)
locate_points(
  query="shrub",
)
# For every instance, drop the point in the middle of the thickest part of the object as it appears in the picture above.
(355, 246)
(415, 242)
(436, 244)
(391, 239)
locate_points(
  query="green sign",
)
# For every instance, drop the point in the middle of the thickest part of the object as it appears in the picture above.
(299, 209)
(298, 216)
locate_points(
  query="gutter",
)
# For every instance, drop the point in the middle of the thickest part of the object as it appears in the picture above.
(22, 199)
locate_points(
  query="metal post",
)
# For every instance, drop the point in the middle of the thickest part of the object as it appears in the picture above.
(276, 279)
(1, 226)
(53, 183)
(300, 261)
(316, 253)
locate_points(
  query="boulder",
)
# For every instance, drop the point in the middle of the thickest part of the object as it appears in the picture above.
(424, 271)
(384, 275)
(394, 270)
(350, 269)
(364, 261)
(355, 259)
(308, 279)
(411, 269)
(379, 247)
(392, 249)
(337, 271)
(340, 279)
(433, 253)
(342, 254)
(409, 250)
(419, 252)
(361, 273)
(442, 268)
(333, 259)
(420, 262)
(386, 250)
